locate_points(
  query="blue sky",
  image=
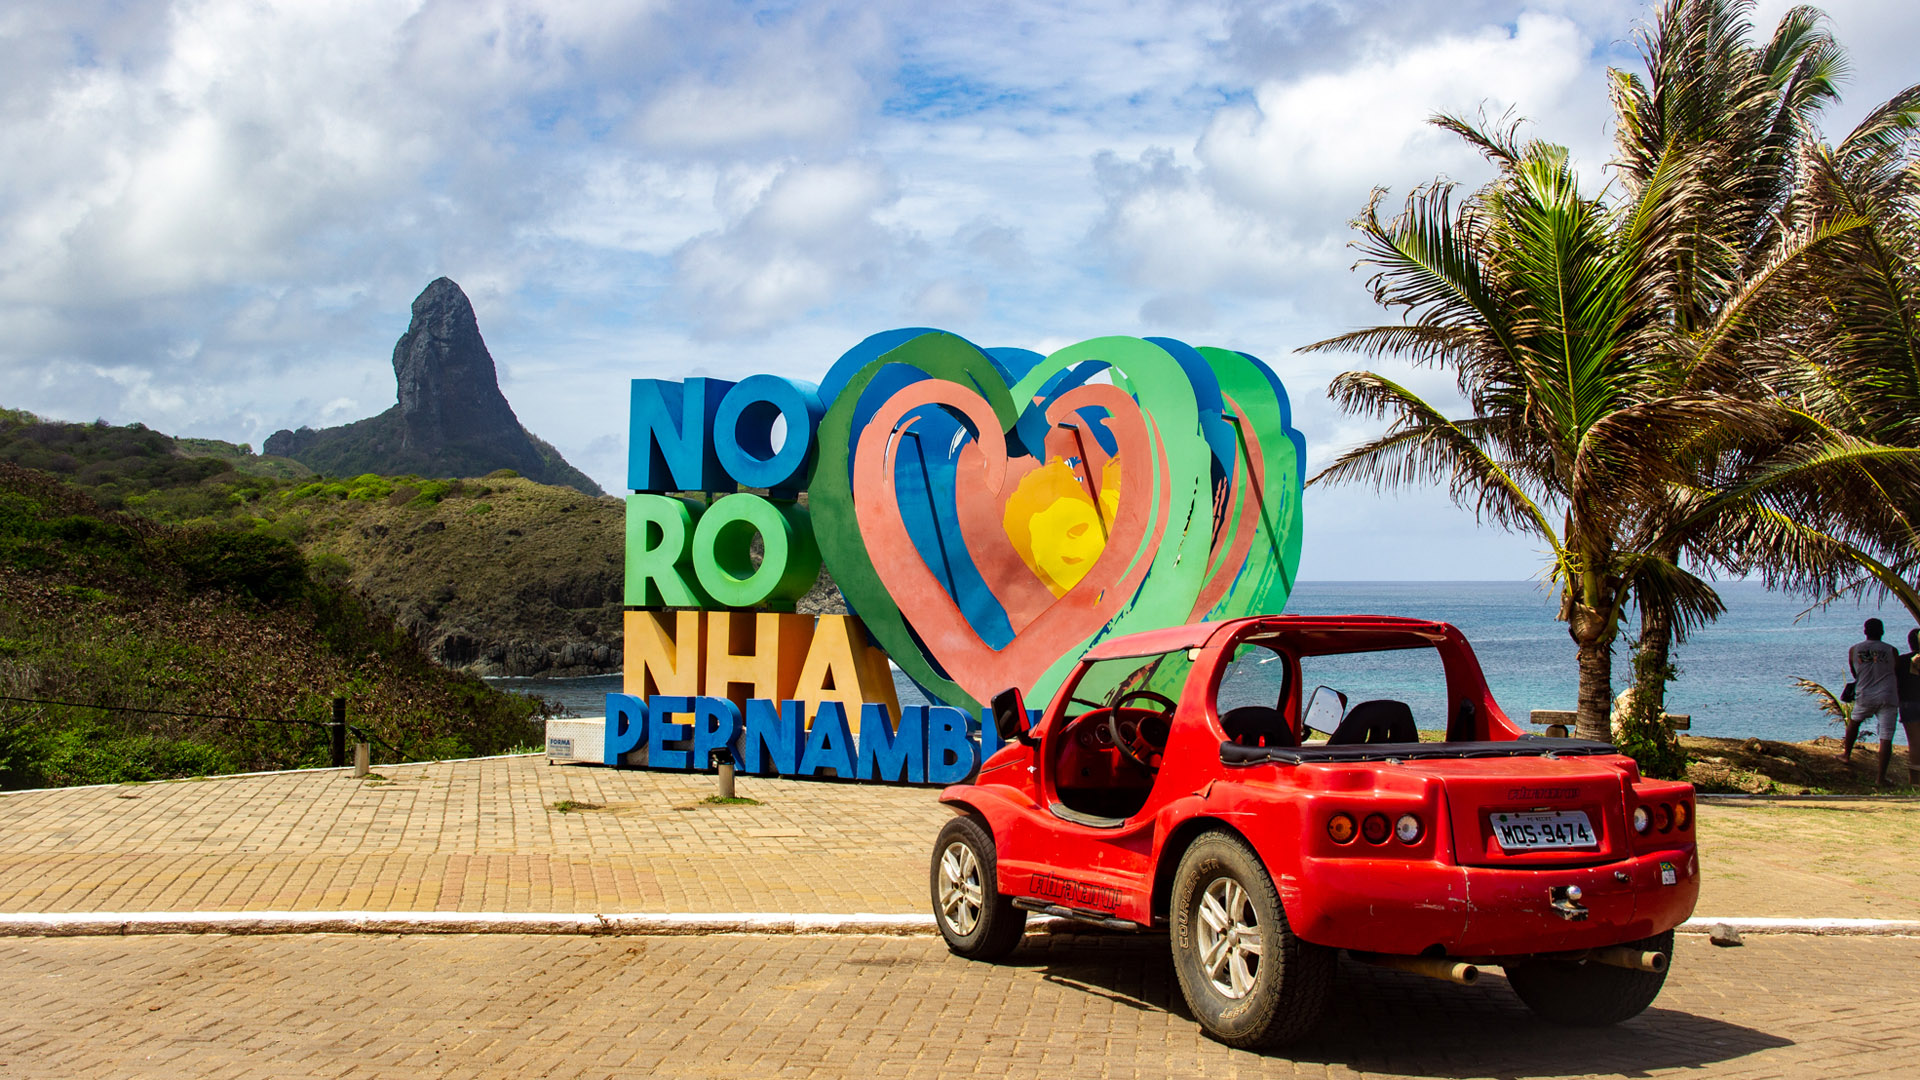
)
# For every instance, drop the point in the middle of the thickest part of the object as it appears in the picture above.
(214, 215)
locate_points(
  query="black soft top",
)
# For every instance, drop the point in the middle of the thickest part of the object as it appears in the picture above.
(1233, 753)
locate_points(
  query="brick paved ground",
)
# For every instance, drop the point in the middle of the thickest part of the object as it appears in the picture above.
(467, 836)
(482, 836)
(748, 1007)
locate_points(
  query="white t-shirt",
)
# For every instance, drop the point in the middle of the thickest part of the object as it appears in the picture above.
(1874, 680)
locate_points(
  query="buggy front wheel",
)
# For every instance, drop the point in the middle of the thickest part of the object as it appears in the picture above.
(978, 922)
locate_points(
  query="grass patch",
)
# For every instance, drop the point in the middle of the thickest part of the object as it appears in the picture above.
(722, 800)
(569, 806)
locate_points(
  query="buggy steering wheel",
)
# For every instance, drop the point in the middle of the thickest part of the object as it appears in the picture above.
(1130, 732)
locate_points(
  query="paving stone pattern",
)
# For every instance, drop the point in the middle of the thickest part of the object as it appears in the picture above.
(748, 1007)
(467, 836)
(483, 836)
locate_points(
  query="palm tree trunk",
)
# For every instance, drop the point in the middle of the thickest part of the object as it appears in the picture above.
(1589, 631)
(1656, 644)
(1593, 622)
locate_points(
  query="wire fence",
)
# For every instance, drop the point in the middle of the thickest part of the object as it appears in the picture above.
(337, 727)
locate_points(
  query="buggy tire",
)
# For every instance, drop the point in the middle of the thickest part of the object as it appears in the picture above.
(1590, 994)
(1248, 979)
(978, 922)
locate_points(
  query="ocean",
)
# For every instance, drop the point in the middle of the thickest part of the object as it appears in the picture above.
(1736, 676)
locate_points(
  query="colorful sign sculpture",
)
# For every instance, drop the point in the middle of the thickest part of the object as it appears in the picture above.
(988, 514)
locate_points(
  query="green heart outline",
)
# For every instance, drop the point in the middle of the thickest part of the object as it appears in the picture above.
(1178, 570)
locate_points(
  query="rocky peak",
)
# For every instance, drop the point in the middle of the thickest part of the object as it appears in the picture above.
(451, 419)
(449, 389)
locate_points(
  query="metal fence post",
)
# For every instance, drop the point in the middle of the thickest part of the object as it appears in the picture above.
(338, 729)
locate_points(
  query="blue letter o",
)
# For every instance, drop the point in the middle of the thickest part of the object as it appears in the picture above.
(743, 431)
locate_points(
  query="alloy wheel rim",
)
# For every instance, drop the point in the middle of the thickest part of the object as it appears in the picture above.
(962, 893)
(1228, 938)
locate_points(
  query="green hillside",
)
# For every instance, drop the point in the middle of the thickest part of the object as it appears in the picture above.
(101, 608)
(499, 575)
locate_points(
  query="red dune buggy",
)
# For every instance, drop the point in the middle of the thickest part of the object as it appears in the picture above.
(1260, 789)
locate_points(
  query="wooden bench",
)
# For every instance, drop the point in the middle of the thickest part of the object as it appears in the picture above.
(1559, 721)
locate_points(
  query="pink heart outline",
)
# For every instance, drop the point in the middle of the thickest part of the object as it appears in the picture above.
(1061, 624)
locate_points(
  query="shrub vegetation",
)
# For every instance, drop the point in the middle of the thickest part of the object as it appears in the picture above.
(109, 612)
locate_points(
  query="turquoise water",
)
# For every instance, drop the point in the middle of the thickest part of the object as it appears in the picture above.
(1736, 675)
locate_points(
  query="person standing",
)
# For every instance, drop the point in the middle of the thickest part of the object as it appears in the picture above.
(1907, 672)
(1876, 690)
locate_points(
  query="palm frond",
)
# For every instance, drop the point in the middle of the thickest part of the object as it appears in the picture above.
(1836, 710)
(1500, 145)
(1888, 131)
(1659, 582)
(1422, 446)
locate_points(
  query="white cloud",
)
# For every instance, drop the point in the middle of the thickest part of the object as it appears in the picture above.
(214, 213)
(950, 302)
(809, 237)
(1265, 196)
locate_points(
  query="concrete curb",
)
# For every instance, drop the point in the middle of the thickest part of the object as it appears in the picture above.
(1713, 797)
(1700, 924)
(95, 924)
(114, 924)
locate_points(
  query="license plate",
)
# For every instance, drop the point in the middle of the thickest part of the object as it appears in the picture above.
(1544, 831)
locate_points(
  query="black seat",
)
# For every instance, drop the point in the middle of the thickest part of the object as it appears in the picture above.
(1258, 725)
(1376, 722)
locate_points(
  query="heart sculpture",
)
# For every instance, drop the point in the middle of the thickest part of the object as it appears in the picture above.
(992, 514)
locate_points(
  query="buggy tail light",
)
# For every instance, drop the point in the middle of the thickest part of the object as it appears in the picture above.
(1341, 828)
(1642, 820)
(1663, 817)
(1682, 815)
(1408, 829)
(1375, 829)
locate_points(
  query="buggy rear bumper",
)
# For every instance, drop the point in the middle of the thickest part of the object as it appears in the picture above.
(1394, 906)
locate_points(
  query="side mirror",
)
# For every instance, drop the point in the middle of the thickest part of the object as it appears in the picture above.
(1323, 713)
(1010, 717)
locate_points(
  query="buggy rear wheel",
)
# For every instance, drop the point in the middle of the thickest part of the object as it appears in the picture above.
(1590, 994)
(1249, 981)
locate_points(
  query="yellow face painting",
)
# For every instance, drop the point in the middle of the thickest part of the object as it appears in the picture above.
(1056, 526)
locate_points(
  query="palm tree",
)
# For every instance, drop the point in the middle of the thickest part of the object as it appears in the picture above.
(1850, 364)
(1548, 307)
(1814, 507)
(1732, 114)
(1692, 326)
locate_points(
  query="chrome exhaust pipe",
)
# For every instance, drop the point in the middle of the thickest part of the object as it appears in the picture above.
(1433, 967)
(1632, 959)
